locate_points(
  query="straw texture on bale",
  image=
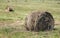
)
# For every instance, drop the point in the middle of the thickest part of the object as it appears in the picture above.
(39, 21)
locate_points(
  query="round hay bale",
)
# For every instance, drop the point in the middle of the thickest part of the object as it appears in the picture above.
(9, 9)
(39, 21)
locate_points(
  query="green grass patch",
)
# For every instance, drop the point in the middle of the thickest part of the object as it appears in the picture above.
(23, 8)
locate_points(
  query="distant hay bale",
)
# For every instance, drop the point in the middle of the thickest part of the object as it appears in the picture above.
(9, 9)
(39, 21)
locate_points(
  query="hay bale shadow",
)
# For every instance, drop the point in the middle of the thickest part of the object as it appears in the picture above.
(39, 21)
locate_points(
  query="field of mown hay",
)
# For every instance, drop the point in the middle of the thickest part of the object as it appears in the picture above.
(12, 23)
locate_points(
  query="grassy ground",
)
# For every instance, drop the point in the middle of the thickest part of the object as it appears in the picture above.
(11, 23)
